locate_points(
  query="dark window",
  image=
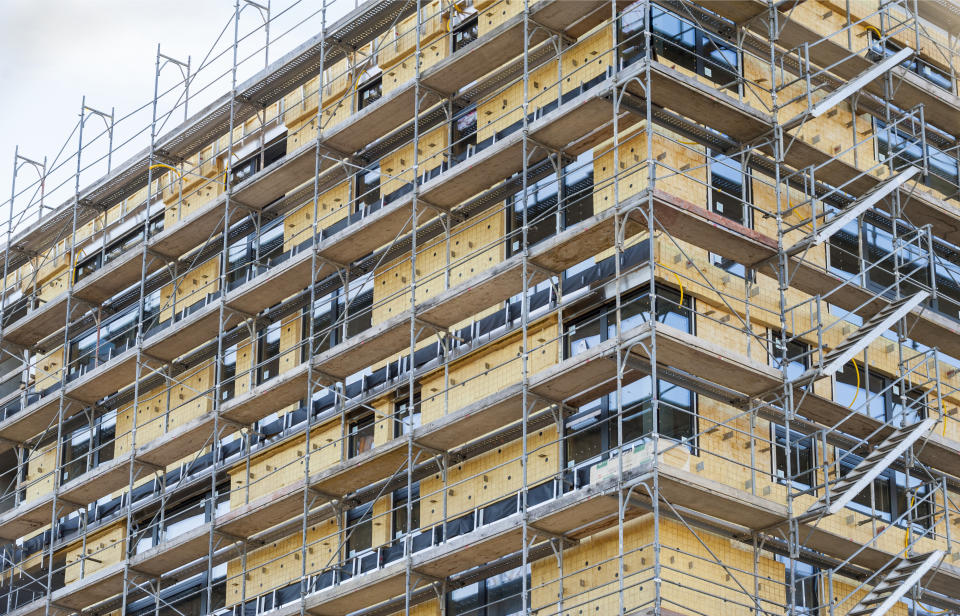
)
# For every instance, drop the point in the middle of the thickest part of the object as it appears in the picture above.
(367, 189)
(406, 417)
(880, 49)
(359, 530)
(805, 584)
(907, 150)
(325, 330)
(730, 197)
(400, 516)
(865, 391)
(593, 431)
(874, 231)
(359, 311)
(802, 458)
(465, 33)
(115, 335)
(249, 167)
(498, 595)
(89, 447)
(228, 373)
(184, 599)
(268, 352)
(369, 92)
(678, 41)
(553, 205)
(361, 435)
(891, 495)
(876, 497)
(178, 519)
(792, 356)
(464, 134)
(631, 35)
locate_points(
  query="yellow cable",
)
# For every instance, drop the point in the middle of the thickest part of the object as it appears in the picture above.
(79, 255)
(179, 175)
(679, 282)
(856, 392)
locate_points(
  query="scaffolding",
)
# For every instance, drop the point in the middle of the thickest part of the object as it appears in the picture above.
(634, 307)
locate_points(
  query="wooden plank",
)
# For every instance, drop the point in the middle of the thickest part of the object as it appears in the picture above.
(36, 418)
(174, 552)
(105, 379)
(285, 389)
(26, 518)
(700, 102)
(365, 469)
(116, 276)
(91, 589)
(280, 281)
(39, 323)
(97, 482)
(188, 333)
(262, 513)
(181, 442)
(367, 348)
(193, 230)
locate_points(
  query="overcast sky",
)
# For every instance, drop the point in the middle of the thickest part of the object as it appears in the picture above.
(53, 52)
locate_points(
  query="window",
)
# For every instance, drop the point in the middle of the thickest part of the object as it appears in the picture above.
(369, 92)
(792, 356)
(906, 150)
(359, 541)
(498, 595)
(268, 352)
(359, 310)
(593, 431)
(464, 134)
(873, 230)
(117, 334)
(679, 42)
(553, 205)
(249, 167)
(890, 495)
(804, 584)
(400, 526)
(802, 458)
(465, 32)
(631, 34)
(880, 49)
(361, 435)
(179, 519)
(367, 189)
(406, 417)
(888, 402)
(325, 331)
(188, 598)
(88, 447)
(589, 330)
(117, 247)
(228, 373)
(730, 197)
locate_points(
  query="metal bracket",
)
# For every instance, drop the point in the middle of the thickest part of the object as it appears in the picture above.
(456, 217)
(563, 36)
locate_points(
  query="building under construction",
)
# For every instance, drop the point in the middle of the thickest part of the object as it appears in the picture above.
(494, 307)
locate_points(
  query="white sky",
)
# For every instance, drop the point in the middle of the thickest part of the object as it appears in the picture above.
(52, 52)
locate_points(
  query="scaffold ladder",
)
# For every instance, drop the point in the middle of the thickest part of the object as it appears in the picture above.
(825, 232)
(870, 467)
(860, 339)
(898, 582)
(854, 85)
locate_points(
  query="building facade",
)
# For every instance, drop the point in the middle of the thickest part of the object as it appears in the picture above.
(493, 307)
